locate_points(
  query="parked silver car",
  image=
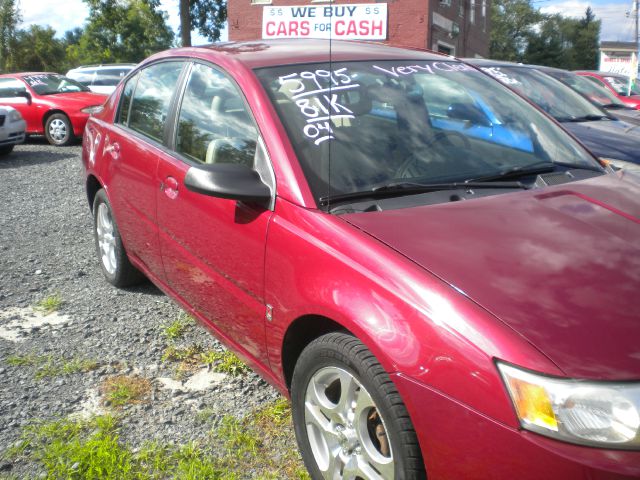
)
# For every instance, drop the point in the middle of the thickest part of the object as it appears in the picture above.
(101, 78)
(12, 129)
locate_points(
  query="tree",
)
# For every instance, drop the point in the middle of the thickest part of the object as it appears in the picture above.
(37, 49)
(586, 42)
(9, 19)
(513, 23)
(207, 16)
(552, 43)
(121, 31)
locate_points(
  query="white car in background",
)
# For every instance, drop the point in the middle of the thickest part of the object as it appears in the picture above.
(12, 129)
(101, 78)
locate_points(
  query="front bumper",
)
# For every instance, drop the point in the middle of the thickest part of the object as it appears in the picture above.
(12, 133)
(460, 443)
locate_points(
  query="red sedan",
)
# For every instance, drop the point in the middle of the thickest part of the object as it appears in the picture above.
(615, 83)
(51, 104)
(443, 281)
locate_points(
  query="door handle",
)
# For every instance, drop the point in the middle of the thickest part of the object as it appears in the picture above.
(170, 187)
(114, 150)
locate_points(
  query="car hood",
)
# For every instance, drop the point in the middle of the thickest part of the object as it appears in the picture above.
(561, 265)
(77, 99)
(629, 115)
(608, 138)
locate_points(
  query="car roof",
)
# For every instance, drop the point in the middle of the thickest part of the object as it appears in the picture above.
(104, 66)
(26, 74)
(267, 53)
(487, 62)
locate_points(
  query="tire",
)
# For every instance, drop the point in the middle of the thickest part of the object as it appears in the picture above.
(114, 262)
(6, 150)
(58, 130)
(371, 434)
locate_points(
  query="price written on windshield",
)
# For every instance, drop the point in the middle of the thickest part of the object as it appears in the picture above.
(317, 95)
(346, 22)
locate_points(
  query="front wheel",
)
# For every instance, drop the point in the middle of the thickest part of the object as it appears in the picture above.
(58, 130)
(349, 419)
(6, 149)
(113, 258)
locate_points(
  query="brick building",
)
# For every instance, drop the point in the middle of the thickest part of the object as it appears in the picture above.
(455, 27)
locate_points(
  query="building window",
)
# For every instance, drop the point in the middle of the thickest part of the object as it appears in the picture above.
(472, 13)
(446, 48)
(461, 9)
(261, 2)
(445, 3)
(484, 8)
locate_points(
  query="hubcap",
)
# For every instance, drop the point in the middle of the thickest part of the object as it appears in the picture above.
(58, 130)
(345, 430)
(106, 239)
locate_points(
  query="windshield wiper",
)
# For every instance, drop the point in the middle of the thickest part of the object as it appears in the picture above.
(534, 168)
(617, 106)
(584, 118)
(409, 188)
(518, 171)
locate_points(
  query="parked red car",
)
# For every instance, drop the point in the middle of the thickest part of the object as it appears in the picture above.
(617, 84)
(436, 300)
(51, 104)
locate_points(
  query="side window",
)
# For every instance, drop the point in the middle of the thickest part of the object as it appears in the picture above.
(11, 87)
(125, 100)
(151, 98)
(214, 125)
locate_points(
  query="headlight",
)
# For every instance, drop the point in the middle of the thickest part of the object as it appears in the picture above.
(620, 164)
(15, 116)
(93, 109)
(602, 414)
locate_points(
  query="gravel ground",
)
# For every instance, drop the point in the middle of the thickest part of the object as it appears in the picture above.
(47, 249)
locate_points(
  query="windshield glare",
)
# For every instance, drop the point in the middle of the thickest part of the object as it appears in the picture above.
(549, 94)
(50, 83)
(359, 125)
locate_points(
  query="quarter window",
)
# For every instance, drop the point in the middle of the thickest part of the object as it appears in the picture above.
(152, 98)
(214, 125)
(125, 101)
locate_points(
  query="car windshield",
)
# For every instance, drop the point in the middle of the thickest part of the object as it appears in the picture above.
(596, 93)
(552, 96)
(51, 83)
(621, 85)
(356, 126)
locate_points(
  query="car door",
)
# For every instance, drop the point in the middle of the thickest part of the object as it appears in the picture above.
(212, 248)
(14, 92)
(134, 145)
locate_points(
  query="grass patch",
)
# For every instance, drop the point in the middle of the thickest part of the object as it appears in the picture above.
(50, 366)
(176, 329)
(49, 304)
(189, 354)
(92, 450)
(123, 390)
(224, 362)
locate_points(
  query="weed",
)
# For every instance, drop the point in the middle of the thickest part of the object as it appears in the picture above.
(50, 366)
(236, 437)
(224, 362)
(49, 304)
(178, 327)
(122, 390)
(188, 354)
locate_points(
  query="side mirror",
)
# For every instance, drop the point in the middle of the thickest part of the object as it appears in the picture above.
(469, 113)
(25, 94)
(227, 180)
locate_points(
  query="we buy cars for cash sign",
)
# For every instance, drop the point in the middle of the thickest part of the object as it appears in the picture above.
(346, 22)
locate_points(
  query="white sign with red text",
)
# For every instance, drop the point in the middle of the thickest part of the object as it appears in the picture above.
(345, 22)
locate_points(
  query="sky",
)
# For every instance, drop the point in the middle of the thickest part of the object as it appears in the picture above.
(615, 24)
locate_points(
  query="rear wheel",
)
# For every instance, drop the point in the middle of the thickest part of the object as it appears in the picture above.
(113, 258)
(349, 419)
(58, 130)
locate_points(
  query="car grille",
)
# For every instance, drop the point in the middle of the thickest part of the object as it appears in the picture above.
(2, 120)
